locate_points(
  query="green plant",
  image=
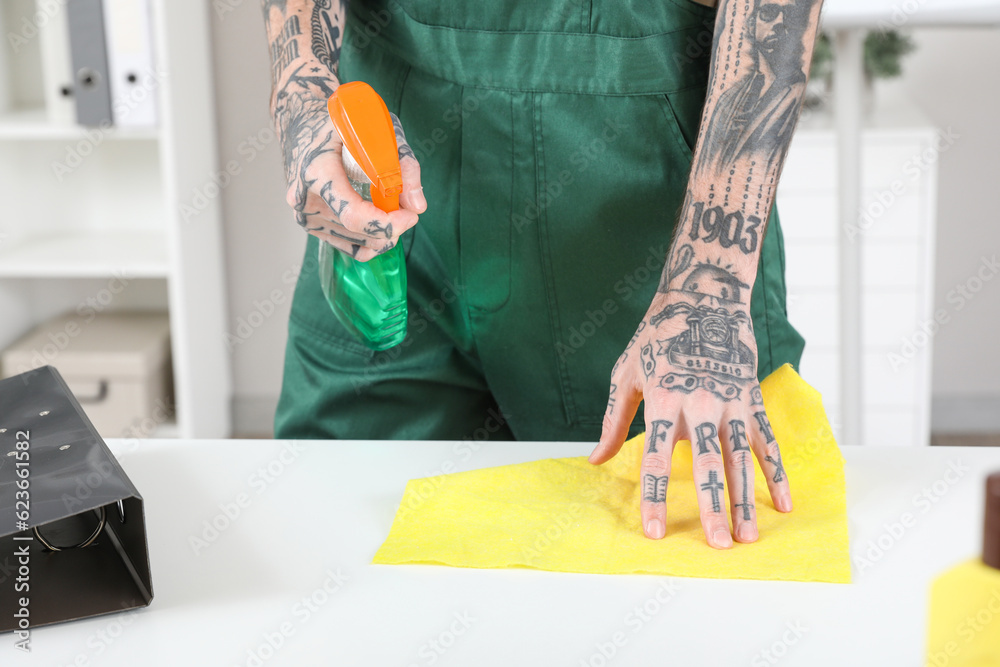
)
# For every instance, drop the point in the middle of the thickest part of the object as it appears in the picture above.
(884, 51)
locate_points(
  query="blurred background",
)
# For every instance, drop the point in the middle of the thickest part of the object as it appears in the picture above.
(150, 256)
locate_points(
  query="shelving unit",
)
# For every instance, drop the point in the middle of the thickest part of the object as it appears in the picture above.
(33, 125)
(84, 208)
(87, 255)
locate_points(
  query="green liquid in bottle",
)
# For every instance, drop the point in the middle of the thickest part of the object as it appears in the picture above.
(369, 298)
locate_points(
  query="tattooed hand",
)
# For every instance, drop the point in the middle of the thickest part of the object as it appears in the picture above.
(693, 360)
(318, 189)
(305, 38)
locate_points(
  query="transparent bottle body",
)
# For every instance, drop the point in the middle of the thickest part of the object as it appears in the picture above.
(368, 298)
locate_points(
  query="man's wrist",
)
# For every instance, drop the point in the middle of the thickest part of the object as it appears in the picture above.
(689, 261)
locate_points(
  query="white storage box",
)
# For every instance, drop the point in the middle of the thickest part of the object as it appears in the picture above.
(117, 365)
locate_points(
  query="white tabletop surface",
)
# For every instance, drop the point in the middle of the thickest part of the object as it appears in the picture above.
(316, 519)
(903, 14)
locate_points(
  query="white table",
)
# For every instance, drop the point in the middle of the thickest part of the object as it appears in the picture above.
(325, 507)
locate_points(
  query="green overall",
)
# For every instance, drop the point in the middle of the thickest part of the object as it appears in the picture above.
(554, 140)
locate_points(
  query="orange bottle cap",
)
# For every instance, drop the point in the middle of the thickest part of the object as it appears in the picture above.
(364, 124)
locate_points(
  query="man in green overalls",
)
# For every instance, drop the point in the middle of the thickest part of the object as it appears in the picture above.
(590, 176)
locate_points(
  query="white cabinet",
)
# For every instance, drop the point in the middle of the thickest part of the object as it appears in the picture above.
(100, 219)
(896, 232)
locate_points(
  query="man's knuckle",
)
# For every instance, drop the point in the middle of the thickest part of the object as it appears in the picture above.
(772, 450)
(705, 463)
(656, 464)
(349, 219)
(711, 518)
(739, 460)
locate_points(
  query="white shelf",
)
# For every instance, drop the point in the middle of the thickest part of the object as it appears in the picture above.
(32, 125)
(86, 255)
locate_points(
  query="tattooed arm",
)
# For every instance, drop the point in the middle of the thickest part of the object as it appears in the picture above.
(693, 358)
(305, 38)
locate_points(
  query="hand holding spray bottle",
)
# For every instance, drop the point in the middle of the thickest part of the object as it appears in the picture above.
(369, 298)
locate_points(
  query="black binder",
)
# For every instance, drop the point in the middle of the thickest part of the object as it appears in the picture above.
(72, 528)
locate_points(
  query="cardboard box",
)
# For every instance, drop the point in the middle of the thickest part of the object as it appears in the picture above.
(117, 365)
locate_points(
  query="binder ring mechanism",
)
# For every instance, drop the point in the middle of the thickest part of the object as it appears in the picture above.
(86, 543)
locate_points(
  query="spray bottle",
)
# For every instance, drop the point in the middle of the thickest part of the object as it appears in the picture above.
(369, 298)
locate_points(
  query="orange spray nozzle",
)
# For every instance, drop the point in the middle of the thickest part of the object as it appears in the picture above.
(365, 127)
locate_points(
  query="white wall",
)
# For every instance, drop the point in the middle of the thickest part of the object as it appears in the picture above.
(263, 243)
(952, 77)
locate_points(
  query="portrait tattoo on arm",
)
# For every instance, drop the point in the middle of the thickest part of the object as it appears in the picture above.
(758, 107)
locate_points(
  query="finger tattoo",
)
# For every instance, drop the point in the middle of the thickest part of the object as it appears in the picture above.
(708, 436)
(654, 489)
(658, 434)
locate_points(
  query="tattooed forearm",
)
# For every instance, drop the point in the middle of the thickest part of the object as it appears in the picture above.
(310, 30)
(759, 70)
(302, 85)
(268, 4)
(327, 31)
(760, 64)
(285, 47)
(730, 229)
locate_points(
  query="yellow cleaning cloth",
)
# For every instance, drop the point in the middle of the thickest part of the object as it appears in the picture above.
(568, 515)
